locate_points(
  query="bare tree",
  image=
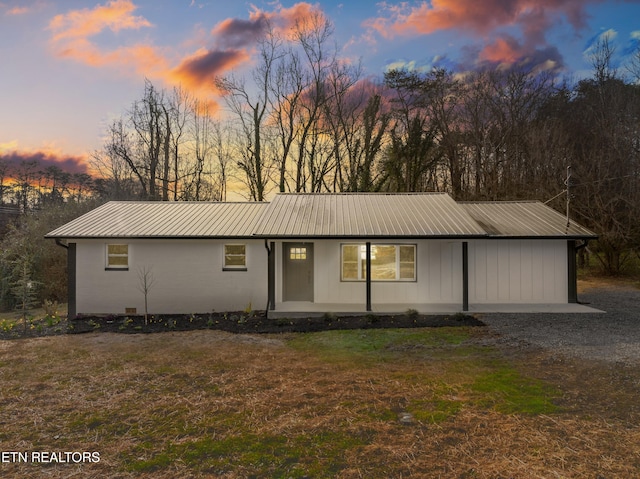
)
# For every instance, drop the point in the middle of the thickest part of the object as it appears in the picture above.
(250, 107)
(223, 154)
(149, 120)
(146, 281)
(601, 57)
(26, 175)
(4, 173)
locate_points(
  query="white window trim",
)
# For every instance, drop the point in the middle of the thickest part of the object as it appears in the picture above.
(110, 267)
(226, 267)
(398, 262)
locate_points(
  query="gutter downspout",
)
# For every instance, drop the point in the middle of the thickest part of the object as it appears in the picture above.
(61, 244)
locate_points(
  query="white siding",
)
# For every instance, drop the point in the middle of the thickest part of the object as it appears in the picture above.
(188, 277)
(438, 273)
(518, 271)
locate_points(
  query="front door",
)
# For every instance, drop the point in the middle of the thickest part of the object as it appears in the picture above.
(297, 271)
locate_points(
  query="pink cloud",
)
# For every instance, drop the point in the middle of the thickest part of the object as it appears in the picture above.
(236, 33)
(116, 15)
(43, 159)
(18, 11)
(483, 19)
(232, 43)
(198, 71)
(477, 17)
(73, 32)
(504, 50)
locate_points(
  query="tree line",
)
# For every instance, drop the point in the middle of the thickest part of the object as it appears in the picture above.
(303, 119)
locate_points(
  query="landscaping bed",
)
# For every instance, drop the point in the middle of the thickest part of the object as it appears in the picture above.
(234, 322)
(257, 322)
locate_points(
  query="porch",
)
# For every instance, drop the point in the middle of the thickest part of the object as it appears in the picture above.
(297, 309)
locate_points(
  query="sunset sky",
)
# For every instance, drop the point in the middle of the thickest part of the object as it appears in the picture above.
(69, 67)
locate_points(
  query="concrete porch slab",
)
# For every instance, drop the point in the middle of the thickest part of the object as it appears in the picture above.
(299, 309)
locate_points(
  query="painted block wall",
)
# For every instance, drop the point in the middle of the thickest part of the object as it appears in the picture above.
(518, 271)
(188, 277)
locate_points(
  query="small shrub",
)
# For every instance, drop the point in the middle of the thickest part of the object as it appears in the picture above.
(50, 308)
(459, 317)
(7, 325)
(329, 317)
(51, 320)
(412, 313)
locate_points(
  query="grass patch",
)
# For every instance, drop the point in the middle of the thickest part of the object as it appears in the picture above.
(509, 392)
(315, 455)
(435, 411)
(374, 345)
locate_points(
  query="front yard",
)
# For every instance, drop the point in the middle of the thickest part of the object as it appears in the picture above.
(375, 403)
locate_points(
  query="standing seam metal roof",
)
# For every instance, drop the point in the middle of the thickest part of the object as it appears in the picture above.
(136, 219)
(325, 215)
(366, 215)
(523, 219)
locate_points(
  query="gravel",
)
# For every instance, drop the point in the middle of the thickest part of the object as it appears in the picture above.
(613, 336)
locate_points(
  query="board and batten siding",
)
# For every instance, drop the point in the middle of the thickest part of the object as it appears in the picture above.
(188, 277)
(518, 271)
(438, 275)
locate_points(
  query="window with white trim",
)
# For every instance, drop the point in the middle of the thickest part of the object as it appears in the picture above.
(389, 262)
(117, 256)
(235, 257)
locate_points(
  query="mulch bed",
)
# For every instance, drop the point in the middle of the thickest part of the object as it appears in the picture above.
(256, 322)
(234, 322)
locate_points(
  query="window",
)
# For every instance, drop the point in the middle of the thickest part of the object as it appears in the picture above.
(298, 253)
(388, 262)
(117, 256)
(235, 257)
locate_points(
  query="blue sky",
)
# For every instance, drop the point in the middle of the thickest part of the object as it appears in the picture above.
(70, 67)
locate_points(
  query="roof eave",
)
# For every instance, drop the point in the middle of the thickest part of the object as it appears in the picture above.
(353, 237)
(165, 237)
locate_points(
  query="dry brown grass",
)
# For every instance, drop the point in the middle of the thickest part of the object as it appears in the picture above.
(607, 282)
(211, 404)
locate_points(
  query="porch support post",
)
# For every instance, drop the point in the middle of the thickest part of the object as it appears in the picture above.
(271, 276)
(572, 271)
(368, 276)
(71, 281)
(465, 276)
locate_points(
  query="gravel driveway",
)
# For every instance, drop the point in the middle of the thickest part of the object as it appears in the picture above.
(613, 336)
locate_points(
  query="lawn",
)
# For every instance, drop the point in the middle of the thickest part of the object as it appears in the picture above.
(379, 403)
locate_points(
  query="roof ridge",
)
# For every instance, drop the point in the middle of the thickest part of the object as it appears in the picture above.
(493, 202)
(363, 193)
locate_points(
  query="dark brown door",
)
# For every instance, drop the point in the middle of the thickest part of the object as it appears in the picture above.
(297, 271)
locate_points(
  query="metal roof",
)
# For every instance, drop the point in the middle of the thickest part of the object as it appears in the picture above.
(325, 215)
(520, 219)
(137, 219)
(361, 215)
